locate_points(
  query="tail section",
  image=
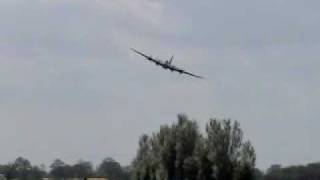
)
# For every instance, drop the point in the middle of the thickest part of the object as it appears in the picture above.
(171, 59)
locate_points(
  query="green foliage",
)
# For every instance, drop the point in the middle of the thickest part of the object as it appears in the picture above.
(169, 153)
(308, 172)
(60, 170)
(180, 151)
(22, 169)
(82, 169)
(112, 169)
(108, 168)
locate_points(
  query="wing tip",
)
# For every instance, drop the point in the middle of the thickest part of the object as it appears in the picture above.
(133, 49)
(200, 77)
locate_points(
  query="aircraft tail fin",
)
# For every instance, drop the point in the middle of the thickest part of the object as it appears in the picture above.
(171, 59)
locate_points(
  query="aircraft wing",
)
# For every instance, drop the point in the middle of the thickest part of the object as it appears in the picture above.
(146, 56)
(200, 77)
(185, 72)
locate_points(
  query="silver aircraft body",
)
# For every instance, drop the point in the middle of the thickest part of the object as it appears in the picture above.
(166, 64)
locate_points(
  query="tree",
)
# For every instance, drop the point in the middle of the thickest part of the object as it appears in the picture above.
(82, 169)
(258, 174)
(231, 157)
(205, 170)
(180, 152)
(111, 169)
(169, 153)
(36, 173)
(60, 170)
(142, 160)
(224, 141)
(310, 171)
(187, 135)
(9, 171)
(22, 169)
(247, 162)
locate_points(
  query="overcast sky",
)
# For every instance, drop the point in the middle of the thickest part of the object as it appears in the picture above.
(70, 88)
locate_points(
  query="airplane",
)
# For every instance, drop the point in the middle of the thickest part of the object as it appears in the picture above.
(166, 64)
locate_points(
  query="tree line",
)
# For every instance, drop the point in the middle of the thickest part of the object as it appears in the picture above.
(180, 151)
(306, 172)
(22, 169)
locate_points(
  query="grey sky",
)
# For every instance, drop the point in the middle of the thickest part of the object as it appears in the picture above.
(70, 87)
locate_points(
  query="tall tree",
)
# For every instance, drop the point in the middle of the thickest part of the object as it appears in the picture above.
(227, 152)
(169, 154)
(246, 167)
